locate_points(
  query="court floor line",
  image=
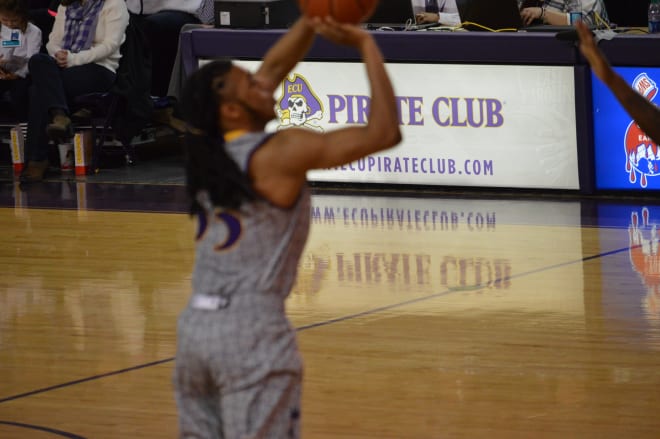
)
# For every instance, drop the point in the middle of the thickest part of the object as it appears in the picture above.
(42, 428)
(331, 321)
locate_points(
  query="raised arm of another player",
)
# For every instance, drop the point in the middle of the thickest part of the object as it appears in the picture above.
(646, 115)
(285, 53)
(280, 166)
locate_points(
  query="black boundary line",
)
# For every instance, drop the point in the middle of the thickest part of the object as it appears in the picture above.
(84, 380)
(328, 322)
(40, 428)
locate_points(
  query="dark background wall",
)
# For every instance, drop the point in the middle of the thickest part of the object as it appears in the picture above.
(628, 12)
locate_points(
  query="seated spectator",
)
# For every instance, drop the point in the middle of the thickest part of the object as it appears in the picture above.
(83, 56)
(20, 40)
(443, 12)
(162, 22)
(556, 12)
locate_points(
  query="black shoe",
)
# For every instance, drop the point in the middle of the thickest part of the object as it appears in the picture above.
(60, 130)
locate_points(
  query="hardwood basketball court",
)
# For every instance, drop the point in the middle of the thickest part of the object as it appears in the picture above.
(419, 315)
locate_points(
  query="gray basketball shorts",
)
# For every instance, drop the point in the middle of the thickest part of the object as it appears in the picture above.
(238, 372)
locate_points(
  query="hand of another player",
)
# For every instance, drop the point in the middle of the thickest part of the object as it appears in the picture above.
(341, 33)
(528, 15)
(599, 65)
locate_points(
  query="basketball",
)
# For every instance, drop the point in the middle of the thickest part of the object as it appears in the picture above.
(343, 11)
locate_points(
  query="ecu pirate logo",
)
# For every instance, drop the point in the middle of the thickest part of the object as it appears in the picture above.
(299, 106)
(642, 154)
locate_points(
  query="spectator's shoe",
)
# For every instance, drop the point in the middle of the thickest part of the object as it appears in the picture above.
(165, 116)
(35, 171)
(60, 130)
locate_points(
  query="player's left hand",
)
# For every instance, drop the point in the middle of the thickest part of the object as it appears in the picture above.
(599, 64)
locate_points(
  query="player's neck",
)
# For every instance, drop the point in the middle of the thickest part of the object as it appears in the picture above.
(234, 134)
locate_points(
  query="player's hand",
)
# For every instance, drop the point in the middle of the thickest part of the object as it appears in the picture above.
(599, 64)
(341, 33)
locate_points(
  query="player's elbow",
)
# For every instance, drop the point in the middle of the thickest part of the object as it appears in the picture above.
(395, 137)
(387, 137)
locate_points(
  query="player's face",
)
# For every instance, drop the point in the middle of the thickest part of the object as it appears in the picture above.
(254, 94)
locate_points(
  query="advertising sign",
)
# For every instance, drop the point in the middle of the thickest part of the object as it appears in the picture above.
(463, 125)
(626, 158)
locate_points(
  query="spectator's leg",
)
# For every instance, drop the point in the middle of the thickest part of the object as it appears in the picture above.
(53, 89)
(162, 30)
(88, 78)
(46, 90)
(19, 98)
(6, 113)
(177, 78)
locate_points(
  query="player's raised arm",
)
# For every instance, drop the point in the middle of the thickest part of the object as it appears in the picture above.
(285, 53)
(646, 115)
(280, 167)
(382, 130)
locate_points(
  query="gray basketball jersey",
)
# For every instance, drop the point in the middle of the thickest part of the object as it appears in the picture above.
(253, 250)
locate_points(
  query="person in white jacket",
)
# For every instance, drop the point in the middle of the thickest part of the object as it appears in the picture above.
(443, 12)
(83, 56)
(20, 40)
(162, 22)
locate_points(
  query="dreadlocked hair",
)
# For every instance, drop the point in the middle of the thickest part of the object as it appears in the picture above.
(208, 166)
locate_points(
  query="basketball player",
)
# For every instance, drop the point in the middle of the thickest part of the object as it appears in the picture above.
(238, 371)
(646, 114)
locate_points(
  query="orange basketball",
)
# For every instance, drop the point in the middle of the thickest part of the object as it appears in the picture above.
(343, 11)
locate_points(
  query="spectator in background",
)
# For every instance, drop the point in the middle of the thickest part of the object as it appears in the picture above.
(556, 12)
(443, 12)
(162, 22)
(20, 40)
(178, 76)
(83, 56)
(645, 113)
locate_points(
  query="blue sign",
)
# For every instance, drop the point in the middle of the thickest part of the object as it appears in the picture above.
(626, 159)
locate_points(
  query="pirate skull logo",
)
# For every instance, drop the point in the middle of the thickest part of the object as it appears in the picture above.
(298, 109)
(299, 106)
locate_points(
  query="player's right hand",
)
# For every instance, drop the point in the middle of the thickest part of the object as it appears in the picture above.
(340, 33)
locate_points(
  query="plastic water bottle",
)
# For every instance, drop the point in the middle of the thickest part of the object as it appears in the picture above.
(575, 11)
(654, 16)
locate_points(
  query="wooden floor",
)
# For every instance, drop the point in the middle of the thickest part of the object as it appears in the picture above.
(421, 318)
